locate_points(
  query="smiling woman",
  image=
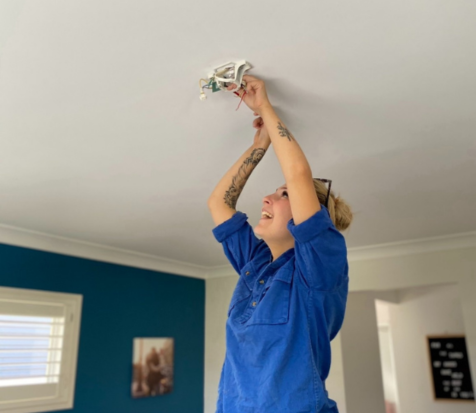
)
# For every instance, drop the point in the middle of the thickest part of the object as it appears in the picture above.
(290, 299)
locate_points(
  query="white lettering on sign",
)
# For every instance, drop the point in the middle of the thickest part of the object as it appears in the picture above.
(455, 355)
(446, 382)
(457, 375)
(443, 353)
(456, 382)
(449, 345)
(446, 389)
(445, 372)
(436, 344)
(450, 364)
(457, 389)
(465, 395)
(437, 364)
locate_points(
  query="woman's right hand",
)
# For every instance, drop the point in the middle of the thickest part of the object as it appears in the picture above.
(256, 97)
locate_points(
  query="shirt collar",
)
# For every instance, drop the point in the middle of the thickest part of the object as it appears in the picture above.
(281, 259)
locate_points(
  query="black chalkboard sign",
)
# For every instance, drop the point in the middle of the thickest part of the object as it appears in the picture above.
(450, 368)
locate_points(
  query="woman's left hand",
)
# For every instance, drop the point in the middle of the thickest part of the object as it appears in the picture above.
(262, 135)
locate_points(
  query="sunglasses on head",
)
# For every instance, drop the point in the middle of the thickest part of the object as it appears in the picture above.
(328, 190)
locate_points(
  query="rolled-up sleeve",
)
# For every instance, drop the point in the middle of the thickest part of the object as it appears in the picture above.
(320, 250)
(239, 242)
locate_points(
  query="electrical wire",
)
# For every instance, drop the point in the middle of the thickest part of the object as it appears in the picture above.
(203, 80)
(209, 86)
(242, 96)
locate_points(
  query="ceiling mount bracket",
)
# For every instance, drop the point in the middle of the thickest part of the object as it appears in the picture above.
(225, 75)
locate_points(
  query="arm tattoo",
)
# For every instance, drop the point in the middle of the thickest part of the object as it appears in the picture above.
(285, 132)
(239, 180)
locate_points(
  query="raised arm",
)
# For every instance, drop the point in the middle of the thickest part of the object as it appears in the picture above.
(222, 201)
(296, 170)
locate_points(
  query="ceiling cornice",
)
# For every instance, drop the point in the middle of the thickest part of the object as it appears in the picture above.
(61, 245)
(416, 246)
(67, 246)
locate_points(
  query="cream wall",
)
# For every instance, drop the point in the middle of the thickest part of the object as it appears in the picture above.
(379, 274)
(218, 295)
(420, 312)
(335, 382)
(425, 269)
(360, 355)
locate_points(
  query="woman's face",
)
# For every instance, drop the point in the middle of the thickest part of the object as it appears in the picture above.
(275, 228)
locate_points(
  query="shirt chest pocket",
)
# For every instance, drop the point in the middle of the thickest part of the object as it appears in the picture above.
(271, 306)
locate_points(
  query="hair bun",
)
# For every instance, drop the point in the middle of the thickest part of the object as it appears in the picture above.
(342, 213)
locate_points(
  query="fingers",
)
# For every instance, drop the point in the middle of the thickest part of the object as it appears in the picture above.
(258, 123)
(252, 82)
(236, 92)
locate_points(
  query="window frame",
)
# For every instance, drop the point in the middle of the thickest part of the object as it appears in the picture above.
(64, 398)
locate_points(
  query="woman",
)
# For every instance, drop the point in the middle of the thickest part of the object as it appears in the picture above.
(290, 299)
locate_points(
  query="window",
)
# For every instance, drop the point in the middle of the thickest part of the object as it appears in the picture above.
(39, 334)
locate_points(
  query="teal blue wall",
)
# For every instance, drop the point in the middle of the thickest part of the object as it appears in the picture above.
(120, 303)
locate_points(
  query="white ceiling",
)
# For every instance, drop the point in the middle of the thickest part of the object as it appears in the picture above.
(103, 137)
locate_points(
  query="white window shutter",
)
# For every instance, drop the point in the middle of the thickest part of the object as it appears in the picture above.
(39, 334)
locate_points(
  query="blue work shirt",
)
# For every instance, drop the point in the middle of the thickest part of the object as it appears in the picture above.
(282, 317)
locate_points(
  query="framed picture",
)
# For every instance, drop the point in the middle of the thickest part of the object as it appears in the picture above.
(153, 367)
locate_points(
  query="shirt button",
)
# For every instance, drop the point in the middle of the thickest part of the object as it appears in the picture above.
(261, 281)
(247, 273)
(254, 303)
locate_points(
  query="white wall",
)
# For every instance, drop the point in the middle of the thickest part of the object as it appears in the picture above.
(425, 269)
(361, 356)
(415, 270)
(467, 292)
(218, 295)
(420, 312)
(335, 382)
